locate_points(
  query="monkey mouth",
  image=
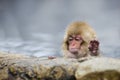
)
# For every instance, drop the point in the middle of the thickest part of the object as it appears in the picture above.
(74, 50)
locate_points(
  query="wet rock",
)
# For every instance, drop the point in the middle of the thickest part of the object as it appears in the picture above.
(100, 68)
(20, 67)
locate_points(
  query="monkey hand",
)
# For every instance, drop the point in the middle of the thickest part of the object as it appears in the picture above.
(51, 57)
(93, 47)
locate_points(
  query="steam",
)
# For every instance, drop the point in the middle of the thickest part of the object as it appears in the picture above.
(41, 23)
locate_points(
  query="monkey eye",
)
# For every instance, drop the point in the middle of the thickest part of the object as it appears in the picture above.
(70, 39)
(75, 38)
(78, 39)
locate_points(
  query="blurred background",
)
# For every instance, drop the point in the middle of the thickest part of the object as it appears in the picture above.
(36, 27)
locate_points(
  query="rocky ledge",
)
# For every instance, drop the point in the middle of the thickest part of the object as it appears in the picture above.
(20, 67)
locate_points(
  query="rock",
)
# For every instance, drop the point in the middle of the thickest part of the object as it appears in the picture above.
(12, 55)
(20, 67)
(100, 68)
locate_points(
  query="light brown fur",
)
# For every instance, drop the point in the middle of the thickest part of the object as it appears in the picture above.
(86, 32)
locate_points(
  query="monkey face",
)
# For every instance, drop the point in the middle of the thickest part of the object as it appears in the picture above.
(74, 43)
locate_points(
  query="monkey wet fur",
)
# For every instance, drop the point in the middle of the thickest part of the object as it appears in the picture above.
(80, 41)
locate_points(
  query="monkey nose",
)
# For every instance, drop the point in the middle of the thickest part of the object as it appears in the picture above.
(73, 44)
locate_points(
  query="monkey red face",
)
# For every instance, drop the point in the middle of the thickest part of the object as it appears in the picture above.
(74, 43)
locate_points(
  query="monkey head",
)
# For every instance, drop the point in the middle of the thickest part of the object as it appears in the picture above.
(80, 41)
